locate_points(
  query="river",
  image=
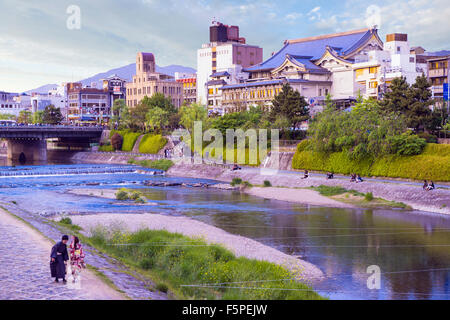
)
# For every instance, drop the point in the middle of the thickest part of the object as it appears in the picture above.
(411, 248)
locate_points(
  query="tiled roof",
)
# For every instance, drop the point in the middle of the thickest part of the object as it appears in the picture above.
(262, 83)
(315, 47)
(220, 74)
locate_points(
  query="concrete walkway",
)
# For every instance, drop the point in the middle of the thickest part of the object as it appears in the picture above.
(25, 272)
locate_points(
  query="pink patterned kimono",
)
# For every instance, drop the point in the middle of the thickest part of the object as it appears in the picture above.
(76, 258)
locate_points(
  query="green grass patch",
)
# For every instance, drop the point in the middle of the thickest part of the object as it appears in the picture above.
(152, 144)
(236, 181)
(162, 164)
(127, 194)
(106, 148)
(432, 164)
(330, 191)
(177, 260)
(67, 223)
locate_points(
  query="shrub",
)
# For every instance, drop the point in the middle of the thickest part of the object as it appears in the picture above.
(66, 221)
(236, 181)
(116, 141)
(429, 138)
(267, 184)
(131, 161)
(140, 200)
(407, 144)
(368, 196)
(122, 195)
(134, 195)
(152, 144)
(246, 184)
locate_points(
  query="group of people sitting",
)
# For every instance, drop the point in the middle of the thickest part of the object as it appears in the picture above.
(356, 178)
(428, 186)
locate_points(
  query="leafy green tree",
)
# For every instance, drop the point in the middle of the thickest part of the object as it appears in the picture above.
(363, 132)
(25, 116)
(159, 100)
(157, 118)
(37, 117)
(190, 114)
(52, 115)
(290, 104)
(7, 116)
(120, 112)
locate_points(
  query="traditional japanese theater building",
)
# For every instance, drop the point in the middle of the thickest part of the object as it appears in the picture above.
(315, 66)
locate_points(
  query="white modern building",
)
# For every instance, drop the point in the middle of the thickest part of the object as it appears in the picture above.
(9, 104)
(225, 51)
(374, 70)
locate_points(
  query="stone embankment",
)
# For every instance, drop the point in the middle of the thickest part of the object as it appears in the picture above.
(112, 157)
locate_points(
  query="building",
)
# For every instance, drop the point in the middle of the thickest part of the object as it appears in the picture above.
(147, 82)
(226, 50)
(438, 74)
(189, 82)
(314, 66)
(375, 69)
(87, 104)
(9, 105)
(115, 87)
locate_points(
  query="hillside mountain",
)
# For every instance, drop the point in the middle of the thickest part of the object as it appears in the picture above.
(126, 72)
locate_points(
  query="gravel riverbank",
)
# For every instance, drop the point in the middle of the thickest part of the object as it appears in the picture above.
(437, 201)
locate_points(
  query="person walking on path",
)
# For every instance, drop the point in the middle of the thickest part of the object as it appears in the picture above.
(76, 258)
(59, 257)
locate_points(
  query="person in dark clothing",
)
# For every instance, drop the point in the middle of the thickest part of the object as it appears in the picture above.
(306, 175)
(425, 185)
(358, 179)
(353, 177)
(59, 257)
(330, 175)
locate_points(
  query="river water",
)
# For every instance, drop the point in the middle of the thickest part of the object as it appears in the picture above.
(411, 248)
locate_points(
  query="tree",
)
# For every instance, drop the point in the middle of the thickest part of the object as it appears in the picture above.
(159, 100)
(25, 116)
(117, 141)
(120, 112)
(290, 104)
(137, 117)
(37, 117)
(190, 114)
(7, 116)
(157, 118)
(419, 112)
(412, 101)
(52, 115)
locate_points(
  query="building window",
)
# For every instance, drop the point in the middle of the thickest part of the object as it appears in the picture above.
(373, 70)
(359, 72)
(411, 59)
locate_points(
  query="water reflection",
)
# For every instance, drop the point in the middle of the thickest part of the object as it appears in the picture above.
(411, 248)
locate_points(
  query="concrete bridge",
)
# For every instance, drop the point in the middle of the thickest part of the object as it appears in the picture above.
(29, 143)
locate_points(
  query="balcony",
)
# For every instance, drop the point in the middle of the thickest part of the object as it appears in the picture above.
(432, 73)
(438, 89)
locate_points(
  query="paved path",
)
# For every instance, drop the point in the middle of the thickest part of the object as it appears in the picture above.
(24, 268)
(125, 279)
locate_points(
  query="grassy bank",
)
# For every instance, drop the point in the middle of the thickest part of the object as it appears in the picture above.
(152, 144)
(173, 261)
(432, 164)
(366, 200)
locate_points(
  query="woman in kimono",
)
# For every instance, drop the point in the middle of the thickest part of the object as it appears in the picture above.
(59, 257)
(76, 257)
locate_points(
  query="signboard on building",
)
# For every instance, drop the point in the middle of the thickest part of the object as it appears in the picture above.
(446, 93)
(117, 90)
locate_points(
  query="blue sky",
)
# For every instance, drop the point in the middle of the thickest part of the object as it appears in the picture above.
(36, 47)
